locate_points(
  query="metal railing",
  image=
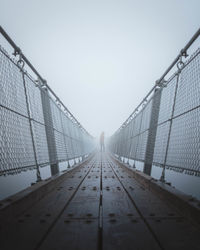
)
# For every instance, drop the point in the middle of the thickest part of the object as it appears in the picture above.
(36, 129)
(164, 129)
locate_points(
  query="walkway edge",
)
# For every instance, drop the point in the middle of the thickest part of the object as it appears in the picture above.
(18, 203)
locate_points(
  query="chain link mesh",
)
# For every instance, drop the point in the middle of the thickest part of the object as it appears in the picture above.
(39, 134)
(12, 93)
(168, 132)
(167, 100)
(16, 148)
(34, 130)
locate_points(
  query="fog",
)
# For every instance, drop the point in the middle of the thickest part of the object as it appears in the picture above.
(100, 57)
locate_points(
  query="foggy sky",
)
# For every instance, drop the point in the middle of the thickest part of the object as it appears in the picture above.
(100, 57)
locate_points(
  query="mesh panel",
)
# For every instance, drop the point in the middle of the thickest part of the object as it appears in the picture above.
(137, 124)
(134, 143)
(146, 117)
(56, 116)
(16, 149)
(40, 143)
(161, 143)
(167, 100)
(34, 99)
(65, 122)
(56, 137)
(188, 93)
(12, 94)
(60, 146)
(184, 142)
(68, 145)
(172, 115)
(141, 148)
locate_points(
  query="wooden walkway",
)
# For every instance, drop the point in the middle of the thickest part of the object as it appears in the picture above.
(100, 205)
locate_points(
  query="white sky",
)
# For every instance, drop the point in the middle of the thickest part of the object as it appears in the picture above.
(100, 57)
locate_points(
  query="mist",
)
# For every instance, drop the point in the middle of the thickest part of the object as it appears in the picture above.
(100, 57)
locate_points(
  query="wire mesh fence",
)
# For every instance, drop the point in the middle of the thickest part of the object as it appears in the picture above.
(165, 130)
(35, 129)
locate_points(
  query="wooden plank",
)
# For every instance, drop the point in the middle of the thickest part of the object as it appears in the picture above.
(127, 233)
(78, 226)
(148, 203)
(79, 234)
(123, 227)
(131, 216)
(170, 228)
(176, 233)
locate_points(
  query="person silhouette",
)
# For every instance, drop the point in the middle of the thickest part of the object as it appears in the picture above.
(102, 146)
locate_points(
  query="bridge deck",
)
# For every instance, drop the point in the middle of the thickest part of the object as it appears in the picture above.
(100, 205)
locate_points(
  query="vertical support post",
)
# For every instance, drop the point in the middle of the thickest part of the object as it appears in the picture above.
(152, 131)
(162, 178)
(31, 129)
(48, 120)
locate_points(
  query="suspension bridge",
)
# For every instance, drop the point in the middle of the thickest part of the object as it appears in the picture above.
(102, 201)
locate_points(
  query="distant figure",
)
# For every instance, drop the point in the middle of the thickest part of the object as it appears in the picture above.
(102, 142)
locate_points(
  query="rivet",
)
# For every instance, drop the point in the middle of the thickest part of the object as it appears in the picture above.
(179, 220)
(129, 214)
(111, 214)
(134, 221)
(88, 221)
(112, 221)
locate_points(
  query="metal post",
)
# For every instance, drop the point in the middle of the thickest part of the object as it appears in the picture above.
(152, 131)
(31, 129)
(162, 178)
(48, 120)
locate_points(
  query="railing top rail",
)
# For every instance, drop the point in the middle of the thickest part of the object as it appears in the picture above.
(182, 53)
(18, 51)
